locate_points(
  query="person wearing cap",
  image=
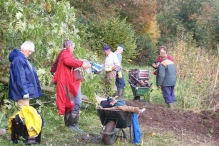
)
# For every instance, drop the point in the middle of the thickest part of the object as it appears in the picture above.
(120, 82)
(23, 81)
(159, 59)
(166, 79)
(111, 64)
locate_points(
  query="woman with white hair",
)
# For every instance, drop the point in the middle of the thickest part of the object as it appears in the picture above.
(23, 82)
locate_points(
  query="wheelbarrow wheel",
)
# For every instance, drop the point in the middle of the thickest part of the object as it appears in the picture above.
(109, 139)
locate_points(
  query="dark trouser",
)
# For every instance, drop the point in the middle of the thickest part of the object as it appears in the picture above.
(168, 94)
(120, 82)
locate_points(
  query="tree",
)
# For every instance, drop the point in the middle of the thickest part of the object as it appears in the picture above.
(112, 32)
(195, 17)
(141, 15)
(47, 23)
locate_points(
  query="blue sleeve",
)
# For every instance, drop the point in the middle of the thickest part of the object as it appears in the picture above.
(119, 56)
(20, 75)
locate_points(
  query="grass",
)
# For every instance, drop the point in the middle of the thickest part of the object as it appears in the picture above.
(54, 133)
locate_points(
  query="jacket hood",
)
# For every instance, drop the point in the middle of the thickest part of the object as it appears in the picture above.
(15, 53)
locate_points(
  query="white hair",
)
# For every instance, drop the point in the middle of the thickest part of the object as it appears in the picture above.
(120, 47)
(27, 45)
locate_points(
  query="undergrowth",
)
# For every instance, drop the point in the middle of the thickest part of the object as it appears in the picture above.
(194, 90)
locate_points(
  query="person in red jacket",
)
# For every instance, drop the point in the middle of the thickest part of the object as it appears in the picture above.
(68, 88)
(55, 63)
(159, 59)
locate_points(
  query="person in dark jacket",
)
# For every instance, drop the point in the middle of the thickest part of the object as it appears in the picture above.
(23, 82)
(166, 79)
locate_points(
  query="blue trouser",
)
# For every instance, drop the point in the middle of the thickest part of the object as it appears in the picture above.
(77, 100)
(120, 82)
(168, 94)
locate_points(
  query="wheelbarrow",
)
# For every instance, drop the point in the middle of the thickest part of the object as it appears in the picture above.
(138, 80)
(139, 91)
(114, 121)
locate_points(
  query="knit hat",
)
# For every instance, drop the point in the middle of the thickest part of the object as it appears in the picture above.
(122, 46)
(163, 54)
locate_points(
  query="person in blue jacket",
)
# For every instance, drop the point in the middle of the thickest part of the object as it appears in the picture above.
(23, 82)
(120, 82)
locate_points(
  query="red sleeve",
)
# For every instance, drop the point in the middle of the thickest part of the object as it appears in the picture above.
(159, 59)
(70, 61)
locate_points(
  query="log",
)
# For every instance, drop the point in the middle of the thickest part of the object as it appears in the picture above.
(46, 89)
(4, 79)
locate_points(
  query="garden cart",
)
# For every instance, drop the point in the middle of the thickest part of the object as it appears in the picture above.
(113, 121)
(138, 80)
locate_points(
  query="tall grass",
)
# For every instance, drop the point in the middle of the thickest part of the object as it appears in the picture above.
(196, 75)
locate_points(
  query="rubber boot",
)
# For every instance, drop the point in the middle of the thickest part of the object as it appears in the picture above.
(120, 94)
(72, 121)
(66, 116)
(171, 105)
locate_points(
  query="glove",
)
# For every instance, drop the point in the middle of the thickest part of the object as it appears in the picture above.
(108, 69)
(26, 96)
(120, 74)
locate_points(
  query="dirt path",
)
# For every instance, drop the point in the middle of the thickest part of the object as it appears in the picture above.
(203, 124)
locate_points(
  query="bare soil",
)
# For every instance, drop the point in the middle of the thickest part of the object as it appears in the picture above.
(203, 124)
(197, 128)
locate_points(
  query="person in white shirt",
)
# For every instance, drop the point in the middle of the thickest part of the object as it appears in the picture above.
(110, 65)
